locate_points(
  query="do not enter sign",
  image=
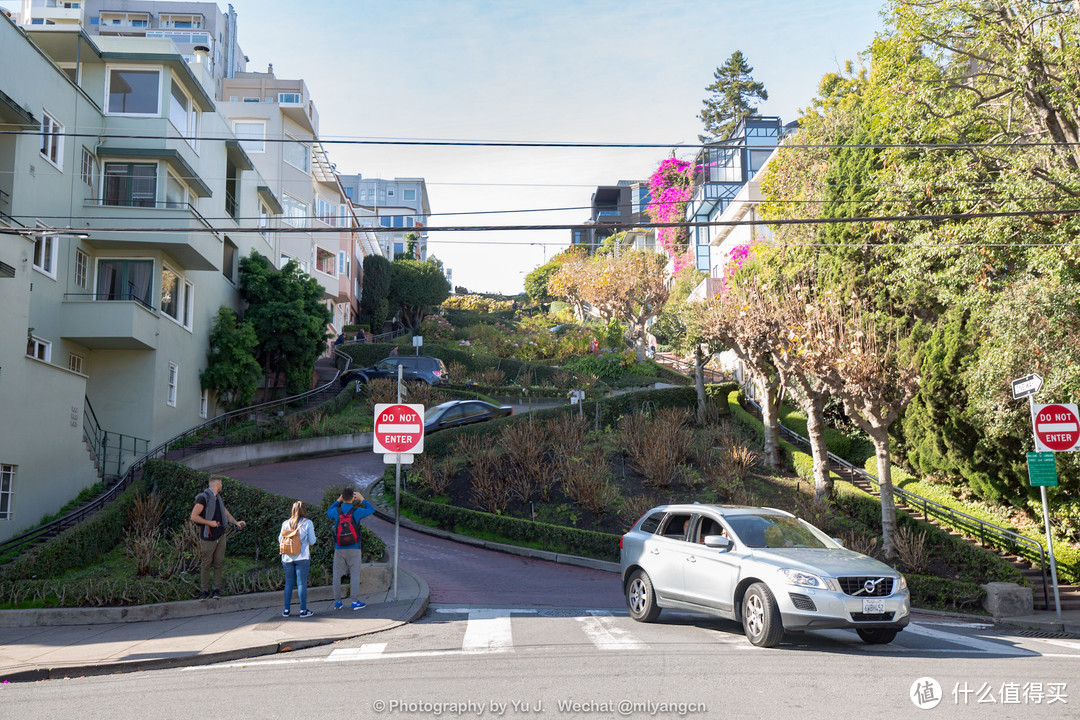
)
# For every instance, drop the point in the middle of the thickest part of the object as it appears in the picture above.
(399, 429)
(1057, 427)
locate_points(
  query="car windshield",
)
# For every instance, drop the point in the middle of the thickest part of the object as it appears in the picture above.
(434, 413)
(387, 364)
(774, 531)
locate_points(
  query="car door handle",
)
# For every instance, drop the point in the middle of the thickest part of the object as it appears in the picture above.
(655, 551)
(691, 558)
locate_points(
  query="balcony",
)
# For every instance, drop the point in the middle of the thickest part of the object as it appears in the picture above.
(108, 324)
(183, 233)
(58, 15)
(185, 37)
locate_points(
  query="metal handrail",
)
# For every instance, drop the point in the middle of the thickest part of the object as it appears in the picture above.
(681, 366)
(996, 535)
(113, 491)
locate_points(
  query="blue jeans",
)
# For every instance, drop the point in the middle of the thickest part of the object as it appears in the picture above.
(296, 575)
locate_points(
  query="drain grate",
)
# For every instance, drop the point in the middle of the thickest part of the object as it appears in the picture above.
(561, 612)
(1047, 635)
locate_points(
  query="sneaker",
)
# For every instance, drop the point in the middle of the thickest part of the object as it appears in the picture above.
(217, 594)
(306, 613)
(359, 605)
(338, 606)
(285, 613)
(204, 596)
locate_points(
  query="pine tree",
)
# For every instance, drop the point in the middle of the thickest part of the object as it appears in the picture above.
(731, 98)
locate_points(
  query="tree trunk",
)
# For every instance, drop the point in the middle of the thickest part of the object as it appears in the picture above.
(880, 436)
(639, 345)
(815, 430)
(769, 415)
(699, 384)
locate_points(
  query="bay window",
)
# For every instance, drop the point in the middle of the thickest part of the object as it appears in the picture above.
(133, 92)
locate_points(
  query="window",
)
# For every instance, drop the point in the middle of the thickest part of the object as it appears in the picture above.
(125, 280)
(204, 403)
(52, 140)
(324, 261)
(189, 304)
(228, 260)
(252, 99)
(45, 255)
(343, 263)
(38, 348)
(232, 205)
(170, 396)
(389, 192)
(296, 212)
(325, 210)
(71, 70)
(133, 92)
(170, 293)
(296, 154)
(75, 363)
(251, 135)
(409, 194)
(88, 170)
(302, 264)
(176, 193)
(82, 262)
(264, 221)
(130, 184)
(289, 98)
(182, 113)
(7, 489)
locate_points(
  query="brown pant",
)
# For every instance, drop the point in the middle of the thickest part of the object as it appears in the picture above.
(211, 552)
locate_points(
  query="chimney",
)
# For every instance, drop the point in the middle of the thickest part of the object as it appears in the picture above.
(201, 54)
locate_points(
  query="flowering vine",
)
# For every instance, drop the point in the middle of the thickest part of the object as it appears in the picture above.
(670, 188)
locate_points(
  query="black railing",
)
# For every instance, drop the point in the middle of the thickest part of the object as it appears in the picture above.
(686, 368)
(986, 533)
(110, 449)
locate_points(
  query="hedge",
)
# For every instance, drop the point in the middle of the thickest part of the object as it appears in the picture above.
(928, 591)
(79, 546)
(794, 419)
(263, 512)
(555, 538)
(1066, 555)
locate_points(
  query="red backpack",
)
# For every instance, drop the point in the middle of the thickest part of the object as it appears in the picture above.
(346, 533)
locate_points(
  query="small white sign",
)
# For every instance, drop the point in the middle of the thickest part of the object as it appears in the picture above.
(417, 340)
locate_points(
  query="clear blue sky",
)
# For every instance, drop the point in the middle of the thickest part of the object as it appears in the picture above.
(572, 70)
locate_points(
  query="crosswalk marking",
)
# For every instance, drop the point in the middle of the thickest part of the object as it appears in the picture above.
(974, 643)
(367, 651)
(488, 631)
(600, 626)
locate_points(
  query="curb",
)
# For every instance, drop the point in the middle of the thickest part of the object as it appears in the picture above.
(73, 671)
(386, 513)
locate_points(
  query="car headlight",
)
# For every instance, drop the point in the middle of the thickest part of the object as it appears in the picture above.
(903, 583)
(803, 579)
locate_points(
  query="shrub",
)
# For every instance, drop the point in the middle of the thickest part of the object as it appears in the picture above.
(143, 531)
(585, 482)
(662, 445)
(912, 548)
(430, 474)
(928, 591)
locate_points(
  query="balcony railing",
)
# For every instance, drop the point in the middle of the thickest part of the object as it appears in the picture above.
(129, 295)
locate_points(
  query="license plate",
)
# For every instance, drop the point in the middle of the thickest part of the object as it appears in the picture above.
(873, 606)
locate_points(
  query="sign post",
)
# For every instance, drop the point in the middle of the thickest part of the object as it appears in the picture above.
(1057, 429)
(417, 342)
(398, 435)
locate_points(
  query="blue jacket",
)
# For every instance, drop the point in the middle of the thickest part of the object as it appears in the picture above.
(358, 511)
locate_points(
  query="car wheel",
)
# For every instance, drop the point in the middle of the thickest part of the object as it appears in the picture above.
(761, 617)
(877, 636)
(640, 600)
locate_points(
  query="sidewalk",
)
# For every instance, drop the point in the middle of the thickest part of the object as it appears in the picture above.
(94, 643)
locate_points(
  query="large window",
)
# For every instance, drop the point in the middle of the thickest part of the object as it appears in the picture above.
(134, 92)
(45, 255)
(296, 153)
(182, 113)
(296, 212)
(251, 135)
(409, 195)
(130, 184)
(125, 280)
(52, 140)
(325, 210)
(7, 490)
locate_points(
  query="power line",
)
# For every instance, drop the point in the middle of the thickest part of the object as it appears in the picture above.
(288, 230)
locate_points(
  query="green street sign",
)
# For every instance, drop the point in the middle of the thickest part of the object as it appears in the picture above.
(1042, 471)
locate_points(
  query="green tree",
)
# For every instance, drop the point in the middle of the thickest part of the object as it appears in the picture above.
(415, 288)
(731, 99)
(374, 308)
(290, 318)
(232, 370)
(536, 283)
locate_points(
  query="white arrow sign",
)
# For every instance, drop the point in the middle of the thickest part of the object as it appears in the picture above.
(1027, 385)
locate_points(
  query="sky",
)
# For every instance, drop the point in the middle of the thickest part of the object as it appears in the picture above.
(630, 71)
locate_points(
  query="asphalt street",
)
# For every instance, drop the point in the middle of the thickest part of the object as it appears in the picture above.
(524, 661)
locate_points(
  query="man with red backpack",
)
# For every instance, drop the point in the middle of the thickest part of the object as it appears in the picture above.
(347, 554)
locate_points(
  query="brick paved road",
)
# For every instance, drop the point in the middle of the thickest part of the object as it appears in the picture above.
(456, 573)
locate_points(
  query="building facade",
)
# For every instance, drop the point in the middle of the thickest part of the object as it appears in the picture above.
(612, 209)
(401, 203)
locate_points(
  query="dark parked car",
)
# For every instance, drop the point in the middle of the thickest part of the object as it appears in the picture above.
(462, 412)
(414, 368)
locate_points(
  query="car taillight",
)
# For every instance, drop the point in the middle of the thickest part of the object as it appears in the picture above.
(620, 542)
(436, 373)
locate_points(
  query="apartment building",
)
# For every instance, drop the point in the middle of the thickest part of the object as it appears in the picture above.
(612, 209)
(190, 25)
(118, 245)
(401, 203)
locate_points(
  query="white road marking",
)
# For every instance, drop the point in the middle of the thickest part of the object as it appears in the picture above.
(971, 626)
(488, 631)
(975, 644)
(367, 651)
(1062, 643)
(290, 661)
(599, 625)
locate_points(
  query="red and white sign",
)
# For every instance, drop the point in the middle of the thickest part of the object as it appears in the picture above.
(399, 428)
(1057, 427)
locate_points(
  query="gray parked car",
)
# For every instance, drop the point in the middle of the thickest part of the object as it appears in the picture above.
(763, 567)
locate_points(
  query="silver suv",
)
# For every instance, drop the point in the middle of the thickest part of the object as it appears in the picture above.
(763, 567)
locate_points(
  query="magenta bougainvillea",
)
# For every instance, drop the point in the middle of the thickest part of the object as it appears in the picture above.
(738, 255)
(670, 188)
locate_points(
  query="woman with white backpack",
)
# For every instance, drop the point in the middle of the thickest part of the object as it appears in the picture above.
(295, 540)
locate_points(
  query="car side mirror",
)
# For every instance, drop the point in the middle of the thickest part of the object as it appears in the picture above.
(719, 541)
